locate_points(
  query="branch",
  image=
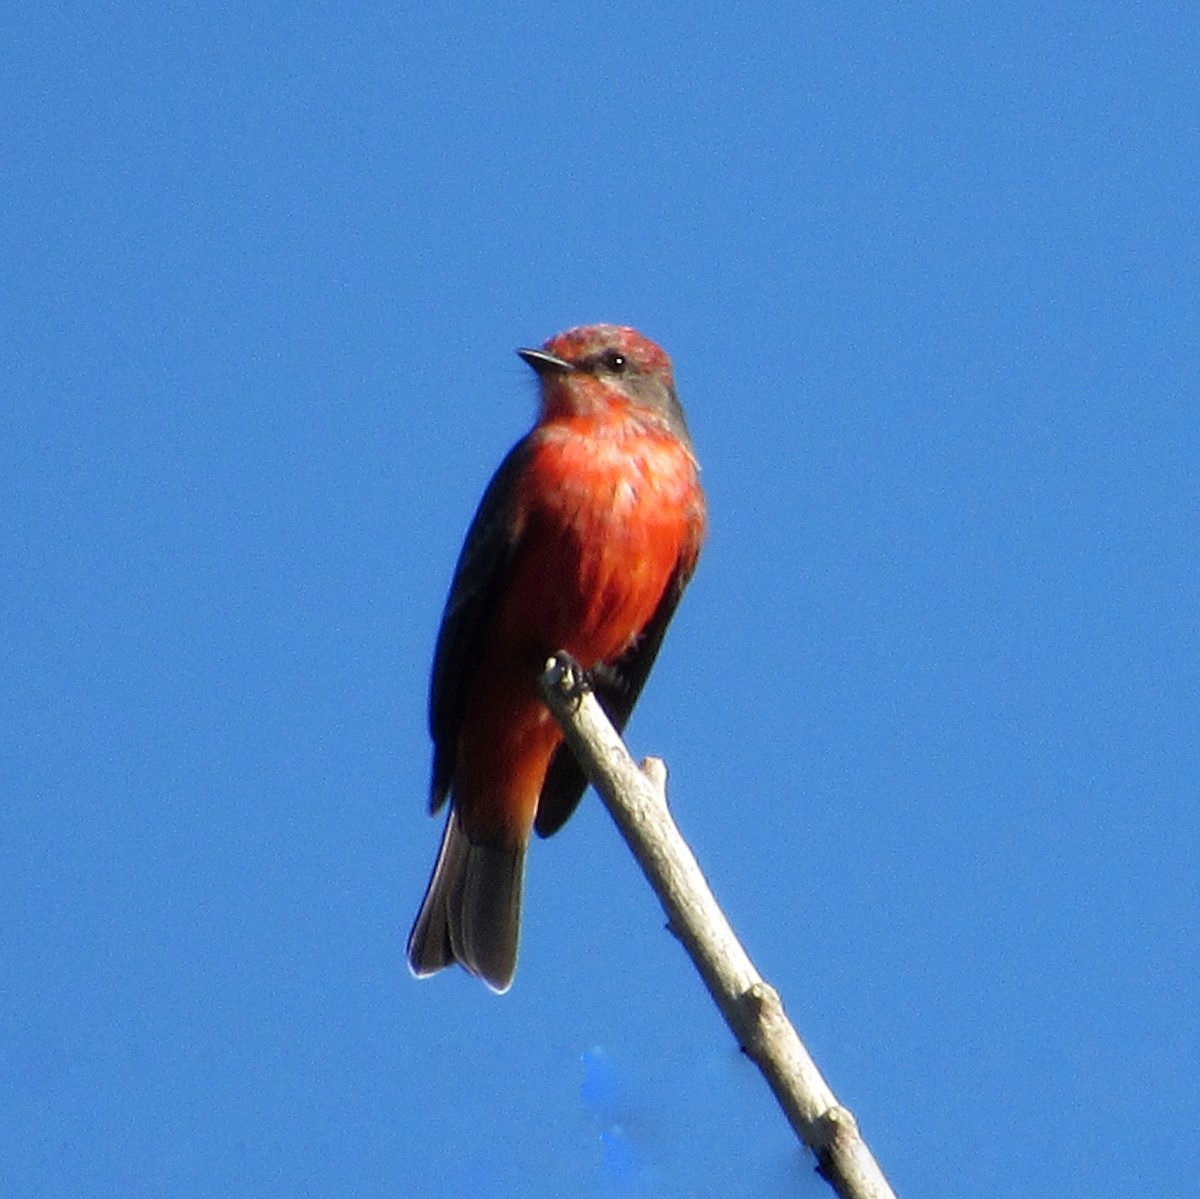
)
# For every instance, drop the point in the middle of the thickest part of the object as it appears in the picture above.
(637, 800)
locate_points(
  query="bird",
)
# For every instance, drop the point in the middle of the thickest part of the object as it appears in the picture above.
(583, 543)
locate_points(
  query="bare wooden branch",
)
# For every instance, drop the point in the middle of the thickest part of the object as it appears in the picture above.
(636, 798)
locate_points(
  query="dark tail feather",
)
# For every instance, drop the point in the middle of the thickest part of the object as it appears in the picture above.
(472, 910)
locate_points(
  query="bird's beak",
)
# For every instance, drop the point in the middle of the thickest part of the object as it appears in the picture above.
(546, 364)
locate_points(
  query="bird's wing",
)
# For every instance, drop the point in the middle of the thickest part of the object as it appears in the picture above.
(474, 596)
(617, 686)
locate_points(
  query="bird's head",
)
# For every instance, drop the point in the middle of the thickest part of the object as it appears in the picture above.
(595, 368)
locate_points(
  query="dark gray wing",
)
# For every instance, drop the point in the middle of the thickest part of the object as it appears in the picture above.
(617, 686)
(474, 594)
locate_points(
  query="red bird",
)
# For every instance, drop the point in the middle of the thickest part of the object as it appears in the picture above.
(583, 542)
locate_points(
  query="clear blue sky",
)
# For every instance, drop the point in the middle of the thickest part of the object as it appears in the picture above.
(929, 275)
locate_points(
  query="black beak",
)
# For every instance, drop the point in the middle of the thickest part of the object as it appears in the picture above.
(546, 364)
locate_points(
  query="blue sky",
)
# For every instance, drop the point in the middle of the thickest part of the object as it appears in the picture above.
(928, 275)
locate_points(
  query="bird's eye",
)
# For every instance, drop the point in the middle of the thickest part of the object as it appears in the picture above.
(613, 361)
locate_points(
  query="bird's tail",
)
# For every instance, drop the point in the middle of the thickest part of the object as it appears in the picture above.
(472, 910)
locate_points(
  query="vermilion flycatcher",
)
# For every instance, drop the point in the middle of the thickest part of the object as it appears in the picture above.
(583, 542)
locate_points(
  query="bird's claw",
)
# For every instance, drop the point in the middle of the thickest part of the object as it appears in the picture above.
(573, 680)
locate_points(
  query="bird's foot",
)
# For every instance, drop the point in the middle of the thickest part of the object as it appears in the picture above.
(569, 676)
